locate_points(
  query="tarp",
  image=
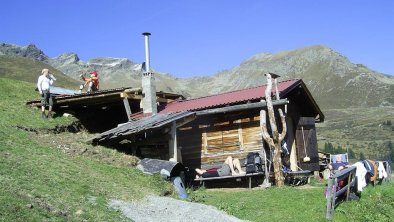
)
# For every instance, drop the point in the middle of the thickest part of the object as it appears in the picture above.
(63, 91)
(148, 165)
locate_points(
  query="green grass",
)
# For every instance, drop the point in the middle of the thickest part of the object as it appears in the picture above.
(299, 204)
(40, 180)
(29, 70)
(14, 112)
(376, 204)
(285, 204)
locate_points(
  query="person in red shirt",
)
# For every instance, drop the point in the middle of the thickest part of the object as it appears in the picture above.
(92, 83)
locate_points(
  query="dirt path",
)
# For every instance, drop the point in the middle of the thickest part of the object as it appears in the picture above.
(154, 208)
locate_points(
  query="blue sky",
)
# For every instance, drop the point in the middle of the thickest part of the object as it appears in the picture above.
(202, 37)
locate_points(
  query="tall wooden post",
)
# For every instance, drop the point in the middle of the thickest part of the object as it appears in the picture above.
(277, 137)
(173, 143)
(331, 187)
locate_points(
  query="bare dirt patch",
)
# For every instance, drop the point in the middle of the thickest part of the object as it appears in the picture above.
(72, 139)
(154, 208)
(72, 128)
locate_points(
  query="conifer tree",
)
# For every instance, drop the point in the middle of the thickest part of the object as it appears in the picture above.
(362, 157)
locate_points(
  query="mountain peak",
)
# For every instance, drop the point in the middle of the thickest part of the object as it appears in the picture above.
(294, 62)
(30, 51)
(67, 58)
(110, 62)
(314, 51)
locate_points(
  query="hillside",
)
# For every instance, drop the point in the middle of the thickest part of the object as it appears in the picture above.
(29, 70)
(48, 175)
(364, 132)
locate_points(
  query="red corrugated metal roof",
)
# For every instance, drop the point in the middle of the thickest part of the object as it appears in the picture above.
(223, 99)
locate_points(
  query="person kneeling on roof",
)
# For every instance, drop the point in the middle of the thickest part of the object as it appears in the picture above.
(92, 83)
(230, 167)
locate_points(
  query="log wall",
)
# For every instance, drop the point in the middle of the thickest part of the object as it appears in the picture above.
(209, 140)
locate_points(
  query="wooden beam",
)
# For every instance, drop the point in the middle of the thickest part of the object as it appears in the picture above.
(131, 96)
(133, 90)
(127, 107)
(134, 94)
(86, 98)
(185, 120)
(163, 100)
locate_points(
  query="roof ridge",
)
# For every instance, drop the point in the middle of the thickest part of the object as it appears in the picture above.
(228, 92)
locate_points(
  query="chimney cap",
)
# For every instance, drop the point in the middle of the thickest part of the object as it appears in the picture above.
(273, 75)
(146, 33)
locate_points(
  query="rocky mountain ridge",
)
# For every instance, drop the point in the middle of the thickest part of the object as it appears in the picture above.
(334, 81)
(30, 51)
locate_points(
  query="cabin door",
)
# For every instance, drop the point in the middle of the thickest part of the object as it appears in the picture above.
(306, 142)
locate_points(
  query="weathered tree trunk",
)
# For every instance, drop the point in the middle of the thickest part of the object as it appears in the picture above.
(276, 140)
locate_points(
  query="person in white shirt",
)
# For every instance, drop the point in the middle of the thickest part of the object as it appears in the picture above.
(44, 84)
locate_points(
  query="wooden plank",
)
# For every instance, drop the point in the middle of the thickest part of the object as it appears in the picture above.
(131, 96)
(230, 135)
(220, 140)
(252, 137)
(204, 143)
(228, 177)
(94, 98)
(127, 107)
(240, 138)
(133, 90)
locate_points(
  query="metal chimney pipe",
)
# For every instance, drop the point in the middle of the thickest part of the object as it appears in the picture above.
(147, 57)
(149, 102)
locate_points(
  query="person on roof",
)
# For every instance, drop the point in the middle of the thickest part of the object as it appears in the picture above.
(44, 83)
(91, 83)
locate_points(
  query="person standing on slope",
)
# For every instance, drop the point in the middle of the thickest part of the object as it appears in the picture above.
(44, 84)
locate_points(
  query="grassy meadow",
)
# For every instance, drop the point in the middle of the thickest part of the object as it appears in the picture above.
(58, 177)
(42, 180)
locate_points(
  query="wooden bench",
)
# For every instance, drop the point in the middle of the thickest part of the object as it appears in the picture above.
(249, 176)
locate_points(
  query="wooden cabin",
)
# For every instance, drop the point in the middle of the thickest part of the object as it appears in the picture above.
(202, 132)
